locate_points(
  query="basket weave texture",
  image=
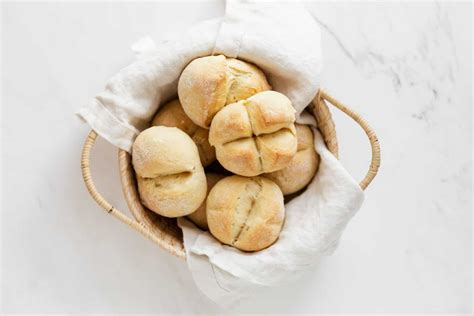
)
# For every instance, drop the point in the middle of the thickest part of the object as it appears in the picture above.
(165, 231)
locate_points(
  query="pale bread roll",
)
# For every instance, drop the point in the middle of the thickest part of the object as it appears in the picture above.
(172, 115)
(171, 179)
(198, 217)
(246, 213)
(302, 167)
(256, 135)
(209, 83)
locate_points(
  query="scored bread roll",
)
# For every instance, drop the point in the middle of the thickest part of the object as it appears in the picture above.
(256, 135)
(246, 213)
(198, 217)
(302, 168)
(172, 115)
(171, 179)
(209, 83)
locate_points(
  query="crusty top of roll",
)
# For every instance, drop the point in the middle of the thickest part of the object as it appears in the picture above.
(255, 135)
(172, 115)
(302, 168)
(246, 213)
(304, 136)
(163, 150)
(208, 83)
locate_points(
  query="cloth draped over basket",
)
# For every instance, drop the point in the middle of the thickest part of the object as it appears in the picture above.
(284, 41)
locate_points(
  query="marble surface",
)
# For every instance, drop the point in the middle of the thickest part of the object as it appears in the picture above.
(406, 67)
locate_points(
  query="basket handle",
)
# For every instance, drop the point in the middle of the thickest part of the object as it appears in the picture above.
(86, 175)
(374, 142)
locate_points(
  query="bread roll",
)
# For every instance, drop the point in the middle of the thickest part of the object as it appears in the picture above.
(172, 115)
(198, 217)
(256, 135)
(246, 213)
(171, 179)
(302, 167)
(209, 83)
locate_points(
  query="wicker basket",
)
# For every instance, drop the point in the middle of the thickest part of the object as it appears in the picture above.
(165, 231)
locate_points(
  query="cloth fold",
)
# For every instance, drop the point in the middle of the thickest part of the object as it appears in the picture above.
(134, 94)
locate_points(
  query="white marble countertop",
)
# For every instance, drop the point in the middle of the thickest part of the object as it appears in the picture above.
(406, 67)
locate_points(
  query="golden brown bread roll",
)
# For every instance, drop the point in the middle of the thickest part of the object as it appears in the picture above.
(246, 213)
(172, 115)
(302, 167)
(171, 179)
(198, 217)
(209, 83)
(256, 135)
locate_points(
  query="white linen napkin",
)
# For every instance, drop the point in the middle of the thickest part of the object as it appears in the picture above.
(281, 38)
(284, 41)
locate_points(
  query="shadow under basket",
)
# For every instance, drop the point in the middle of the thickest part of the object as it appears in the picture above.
(164, 231)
